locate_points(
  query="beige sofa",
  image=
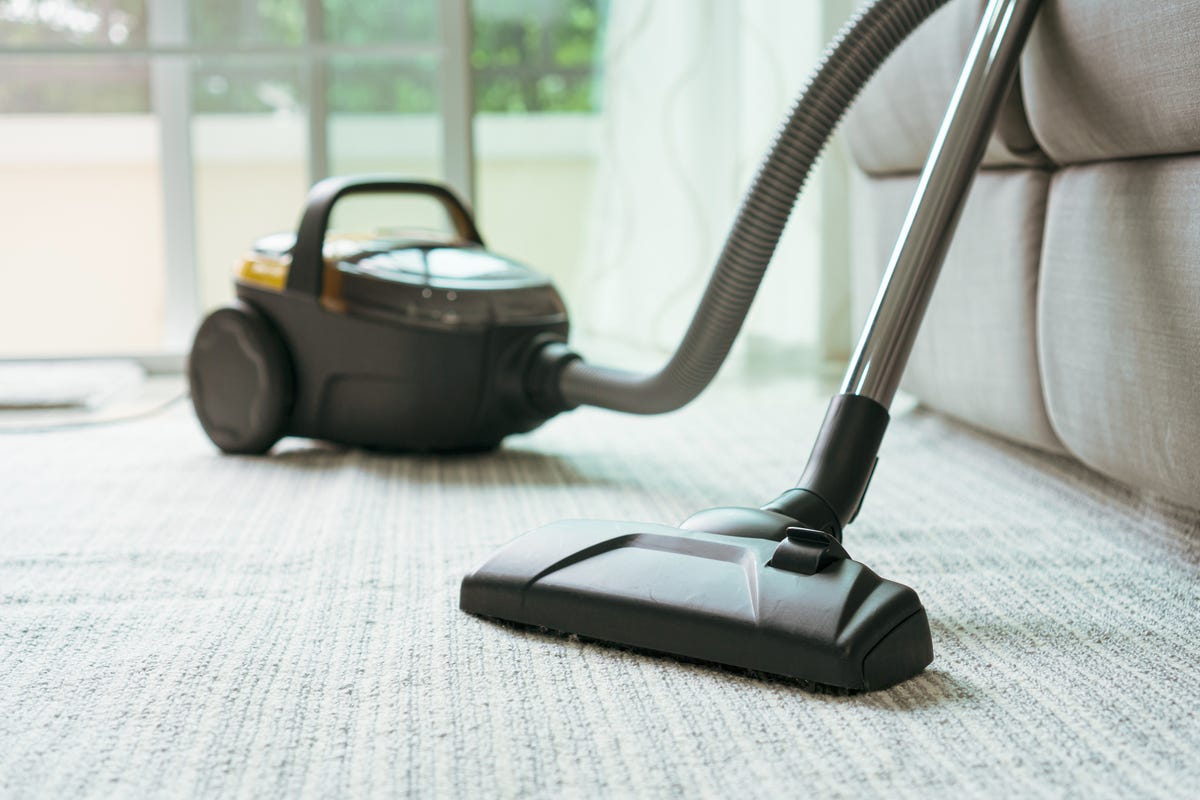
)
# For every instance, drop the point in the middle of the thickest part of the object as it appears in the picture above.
(1067, 316)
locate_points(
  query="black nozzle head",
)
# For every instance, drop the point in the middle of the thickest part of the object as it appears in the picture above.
(709, 597)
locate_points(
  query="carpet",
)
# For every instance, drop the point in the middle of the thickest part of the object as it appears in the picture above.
(178, 623)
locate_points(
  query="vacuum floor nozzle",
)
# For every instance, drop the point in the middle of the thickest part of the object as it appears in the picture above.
(816, 615)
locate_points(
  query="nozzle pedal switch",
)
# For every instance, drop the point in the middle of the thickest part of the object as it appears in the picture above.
(807, 551)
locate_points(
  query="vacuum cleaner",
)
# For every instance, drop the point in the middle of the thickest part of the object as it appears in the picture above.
(770, 589)
(406, 340)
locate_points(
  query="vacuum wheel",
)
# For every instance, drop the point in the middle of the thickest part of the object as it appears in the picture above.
(241, 379)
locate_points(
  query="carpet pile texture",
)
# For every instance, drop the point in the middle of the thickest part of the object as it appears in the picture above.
(174, 622)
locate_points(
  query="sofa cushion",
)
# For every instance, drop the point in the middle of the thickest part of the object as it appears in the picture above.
(1119, 320)
(975, 357)
(893, 124)
(1113, 79)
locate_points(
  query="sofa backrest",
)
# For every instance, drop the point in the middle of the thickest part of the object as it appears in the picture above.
(1068, 312)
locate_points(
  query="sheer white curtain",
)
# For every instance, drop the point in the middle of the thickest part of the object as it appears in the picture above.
(693, 91)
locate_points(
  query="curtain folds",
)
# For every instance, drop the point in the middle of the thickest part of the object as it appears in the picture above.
(693, 91)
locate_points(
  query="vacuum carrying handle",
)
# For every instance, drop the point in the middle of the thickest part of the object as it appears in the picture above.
(305, 274)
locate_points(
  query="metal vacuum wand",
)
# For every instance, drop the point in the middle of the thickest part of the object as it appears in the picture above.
(891, 328)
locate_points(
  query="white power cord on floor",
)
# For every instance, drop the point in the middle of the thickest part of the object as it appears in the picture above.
(53, 394)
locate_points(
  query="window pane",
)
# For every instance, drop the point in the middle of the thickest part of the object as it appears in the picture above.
(384, 116)
(259, 86)
(250, 155)
(535, 55)
(408, 215)
(34, 23)
(81, 199)
(62, 84)
(384, 119)
(536, 131)
(359, 85)
(380, 21)
(247, 22)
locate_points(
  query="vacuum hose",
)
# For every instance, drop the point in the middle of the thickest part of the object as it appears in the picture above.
(858, 51)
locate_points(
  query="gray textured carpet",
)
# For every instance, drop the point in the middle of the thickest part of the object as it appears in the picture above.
(178, 623)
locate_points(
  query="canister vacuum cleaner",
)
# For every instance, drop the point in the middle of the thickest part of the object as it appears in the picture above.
(404, 344)
(397, 342)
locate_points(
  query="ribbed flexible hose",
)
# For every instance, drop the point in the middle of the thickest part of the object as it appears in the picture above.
(858, 51)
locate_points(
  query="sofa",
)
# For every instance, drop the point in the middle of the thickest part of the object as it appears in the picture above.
(1067, 316)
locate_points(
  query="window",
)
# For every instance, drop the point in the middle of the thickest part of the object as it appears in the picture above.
(144, 144)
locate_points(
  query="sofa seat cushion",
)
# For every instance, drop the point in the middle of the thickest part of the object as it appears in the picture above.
(1119, 320)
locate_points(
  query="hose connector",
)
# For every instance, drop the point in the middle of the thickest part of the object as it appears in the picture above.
(543, 375)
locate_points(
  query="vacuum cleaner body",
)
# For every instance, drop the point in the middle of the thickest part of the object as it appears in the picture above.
(389, 342)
